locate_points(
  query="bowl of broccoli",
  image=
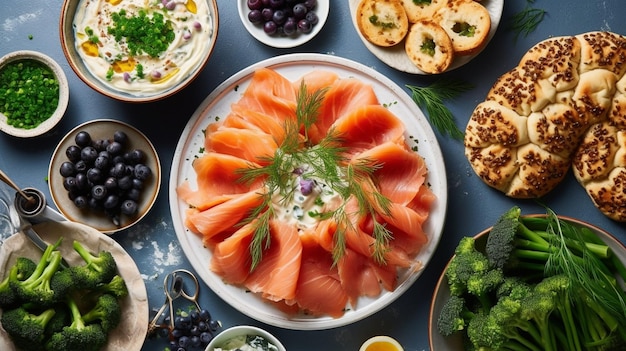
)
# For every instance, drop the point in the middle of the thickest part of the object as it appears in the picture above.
(93, 300)
(532, 282)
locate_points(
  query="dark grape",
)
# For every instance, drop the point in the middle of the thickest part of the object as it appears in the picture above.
(282, 17)
(255, 4)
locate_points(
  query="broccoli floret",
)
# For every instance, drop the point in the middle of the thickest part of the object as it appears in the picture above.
(60, 319)
(454, 316)
(21, 270)
(96, 270)
(78, 335)
(482, 284)
(27, 330)
(116, 287)
(466, 261)
(36, 289)
(107, 310)
(499, 242)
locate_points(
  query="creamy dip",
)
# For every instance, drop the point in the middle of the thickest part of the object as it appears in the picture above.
(118, 63)
(247, 343)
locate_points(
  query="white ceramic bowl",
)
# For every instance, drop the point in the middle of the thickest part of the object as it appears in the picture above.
(280, 41)
(104, 129)
(64, 94)
(70, 49)
(442, 292)
(239, 330)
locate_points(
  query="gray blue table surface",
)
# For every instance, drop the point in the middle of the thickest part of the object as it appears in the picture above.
(152, 243)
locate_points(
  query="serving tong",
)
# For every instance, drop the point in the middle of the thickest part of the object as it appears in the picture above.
(174, 287)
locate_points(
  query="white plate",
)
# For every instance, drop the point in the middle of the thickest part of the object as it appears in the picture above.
(283, 42)
(396, 56)
(130, 334)
(293, 67)
(104, 129)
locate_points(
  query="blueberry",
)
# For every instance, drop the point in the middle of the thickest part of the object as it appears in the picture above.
(67, 169)
(111, 201)
(142, 172)
(118, 170)
(129, 207)
(100, 144)
(120, 137)
(81, 201)
(133, 194)
(137, 156)
(81, 166)
(99, 192)
(69, 183)
(125, 183)
(110, 183)
(206, 337)
(88, 154)
(114, 148)
(82, 139)
(81, 181)
(95, 175)
(101, 162)
(73, 153)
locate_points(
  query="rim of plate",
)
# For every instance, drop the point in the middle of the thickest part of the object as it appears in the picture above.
(232, 294)
(282, 42)
(396, 57)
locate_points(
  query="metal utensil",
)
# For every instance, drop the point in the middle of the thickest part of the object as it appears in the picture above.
(5, 178)
(32, 211)
(174, 287)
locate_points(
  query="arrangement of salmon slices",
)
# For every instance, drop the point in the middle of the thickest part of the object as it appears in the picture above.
(308, 193)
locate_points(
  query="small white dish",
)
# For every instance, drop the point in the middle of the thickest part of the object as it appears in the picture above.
(64, 94)
(381, 342)
(396, 56)
(239, 330)
(278, 41)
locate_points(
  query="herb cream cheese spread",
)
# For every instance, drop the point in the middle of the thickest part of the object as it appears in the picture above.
(247, 343)
(142, 46)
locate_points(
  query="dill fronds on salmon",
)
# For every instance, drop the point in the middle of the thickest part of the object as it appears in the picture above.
(308, 193)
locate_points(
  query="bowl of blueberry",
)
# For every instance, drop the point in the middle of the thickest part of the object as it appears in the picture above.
(106, 174)
(283, 23)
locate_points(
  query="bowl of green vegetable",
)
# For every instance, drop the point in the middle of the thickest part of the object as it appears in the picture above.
(34, 93)
(138, 51)
(532, 282)
(245, 337)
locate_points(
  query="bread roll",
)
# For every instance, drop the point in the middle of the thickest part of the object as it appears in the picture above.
(382, 22)
(429, 47)
(417, 11)
(563, 106)
(467, 24)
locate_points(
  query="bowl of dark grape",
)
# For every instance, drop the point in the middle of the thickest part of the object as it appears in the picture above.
(106, 174)
(283, 23)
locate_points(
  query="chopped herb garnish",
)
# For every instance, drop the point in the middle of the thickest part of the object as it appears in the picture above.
(464, 29)
(428, 47)
(422, 2)
(29, 93)
(151, 35)
(432, 99)
(387, 25)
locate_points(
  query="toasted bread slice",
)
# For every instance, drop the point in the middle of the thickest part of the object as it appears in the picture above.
(382, 22)
(429, 47)
(417, 11)
(467, 24)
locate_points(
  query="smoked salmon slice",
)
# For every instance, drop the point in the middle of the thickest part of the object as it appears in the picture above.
(325, 265)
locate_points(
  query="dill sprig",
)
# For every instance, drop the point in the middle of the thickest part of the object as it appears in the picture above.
(588, 275)
(432, 99)
(324, 161)
(527, 20)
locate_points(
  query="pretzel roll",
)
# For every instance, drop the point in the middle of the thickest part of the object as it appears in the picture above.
(571, 91)
(429, 47)
(467, 24)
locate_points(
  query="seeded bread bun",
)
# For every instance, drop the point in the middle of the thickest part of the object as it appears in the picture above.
(382, 22)
(429, 47)
(562, 107)
(467, 24)
(417, 11)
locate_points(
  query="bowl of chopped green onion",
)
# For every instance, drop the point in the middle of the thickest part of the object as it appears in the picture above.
(34, 93)
(532, 282)
(135, 50)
